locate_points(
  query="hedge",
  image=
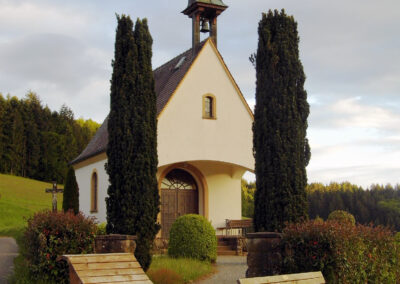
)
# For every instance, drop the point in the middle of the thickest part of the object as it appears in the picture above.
(343, 252)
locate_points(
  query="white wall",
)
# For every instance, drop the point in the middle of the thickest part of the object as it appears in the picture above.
(183, 134)
(224, 191)
(83, 177)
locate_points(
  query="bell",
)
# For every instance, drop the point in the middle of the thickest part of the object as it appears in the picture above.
(204, 27)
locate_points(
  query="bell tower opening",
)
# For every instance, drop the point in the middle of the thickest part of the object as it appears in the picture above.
(204, 15)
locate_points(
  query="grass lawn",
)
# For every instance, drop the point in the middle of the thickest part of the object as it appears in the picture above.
(19, 199)
(188, 269)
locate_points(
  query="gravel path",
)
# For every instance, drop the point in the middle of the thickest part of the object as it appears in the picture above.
(8, 251)
(229, 270)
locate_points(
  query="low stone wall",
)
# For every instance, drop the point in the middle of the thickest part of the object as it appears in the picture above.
(115, 244)
(265, 254)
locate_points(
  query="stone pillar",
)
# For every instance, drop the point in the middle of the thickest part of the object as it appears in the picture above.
(264, 254)
(115, 244)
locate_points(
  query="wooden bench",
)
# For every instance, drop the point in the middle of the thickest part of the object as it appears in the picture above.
(240, 225)
(300, 278)
(105, 268)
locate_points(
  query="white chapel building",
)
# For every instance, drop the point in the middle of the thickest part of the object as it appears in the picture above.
(205, 137)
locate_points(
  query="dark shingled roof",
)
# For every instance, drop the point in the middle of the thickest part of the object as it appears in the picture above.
(167, 78)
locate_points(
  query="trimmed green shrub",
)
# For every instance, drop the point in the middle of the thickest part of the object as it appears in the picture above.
(342, 216)
(50, 235)
(192, 236)
(345, 253)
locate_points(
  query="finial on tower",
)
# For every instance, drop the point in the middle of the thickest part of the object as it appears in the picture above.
(204, 14)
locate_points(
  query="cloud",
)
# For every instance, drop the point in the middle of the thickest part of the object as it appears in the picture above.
(354, 113)
(363, 175)
(23, 17)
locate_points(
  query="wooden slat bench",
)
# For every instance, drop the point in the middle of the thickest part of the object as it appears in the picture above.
(105, 268)
(299, 278)
(240, 225)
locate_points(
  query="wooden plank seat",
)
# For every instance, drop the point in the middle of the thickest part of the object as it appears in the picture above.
(105, 268)
(240, 225)
(299, 278)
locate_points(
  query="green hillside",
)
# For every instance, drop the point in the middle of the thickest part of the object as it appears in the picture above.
(19, 199)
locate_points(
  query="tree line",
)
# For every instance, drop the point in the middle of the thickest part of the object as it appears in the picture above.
(38, 143)
(378, 204)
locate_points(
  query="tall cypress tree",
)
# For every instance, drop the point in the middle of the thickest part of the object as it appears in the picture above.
(143, 147)
(133, 202)
(281, 148)
(71, 193)
(120, 211)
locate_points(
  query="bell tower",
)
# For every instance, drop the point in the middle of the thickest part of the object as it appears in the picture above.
(204, 15)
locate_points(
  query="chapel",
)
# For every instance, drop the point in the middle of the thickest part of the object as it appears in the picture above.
(204, 134)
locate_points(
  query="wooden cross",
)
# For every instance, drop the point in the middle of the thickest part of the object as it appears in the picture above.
(54, 192)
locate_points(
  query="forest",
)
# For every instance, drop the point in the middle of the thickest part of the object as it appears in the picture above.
(38, 143)
(377, 204)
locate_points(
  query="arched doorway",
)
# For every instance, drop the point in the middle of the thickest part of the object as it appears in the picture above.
(179, 196)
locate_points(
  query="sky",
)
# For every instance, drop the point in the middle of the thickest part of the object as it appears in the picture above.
(350, 50)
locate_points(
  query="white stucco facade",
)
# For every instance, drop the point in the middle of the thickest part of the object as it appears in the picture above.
(216, 152)
(84, 179)
(183, 134)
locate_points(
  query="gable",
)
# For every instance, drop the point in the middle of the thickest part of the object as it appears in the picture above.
(183, 133)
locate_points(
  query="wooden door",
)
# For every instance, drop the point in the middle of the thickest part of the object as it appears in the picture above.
(169, 210)
(179, 196)
(187, 202)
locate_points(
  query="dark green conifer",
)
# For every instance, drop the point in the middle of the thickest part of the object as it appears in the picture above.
(119, 205)
(281, 148)
(71, 193)
(133, 202)
(144, 147)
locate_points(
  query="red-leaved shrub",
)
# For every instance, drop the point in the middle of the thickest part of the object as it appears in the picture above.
(50, 235)
(164, 276)
(343, 252)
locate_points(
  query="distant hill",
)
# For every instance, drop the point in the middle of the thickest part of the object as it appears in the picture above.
(20, 198)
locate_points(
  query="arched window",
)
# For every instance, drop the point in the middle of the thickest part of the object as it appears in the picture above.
(209, 107)
(94, 193)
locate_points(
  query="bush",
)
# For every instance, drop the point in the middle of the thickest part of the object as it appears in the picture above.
(342, 216)
(50, 235)
(343, 252)
(192, 236)
(101, 229)
(319, 220)
(165, 276)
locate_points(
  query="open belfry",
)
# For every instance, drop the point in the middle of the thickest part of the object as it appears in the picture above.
(204, 134)
(204, 15)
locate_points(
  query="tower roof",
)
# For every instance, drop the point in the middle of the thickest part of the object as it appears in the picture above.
(213, 2)
(193, 5)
